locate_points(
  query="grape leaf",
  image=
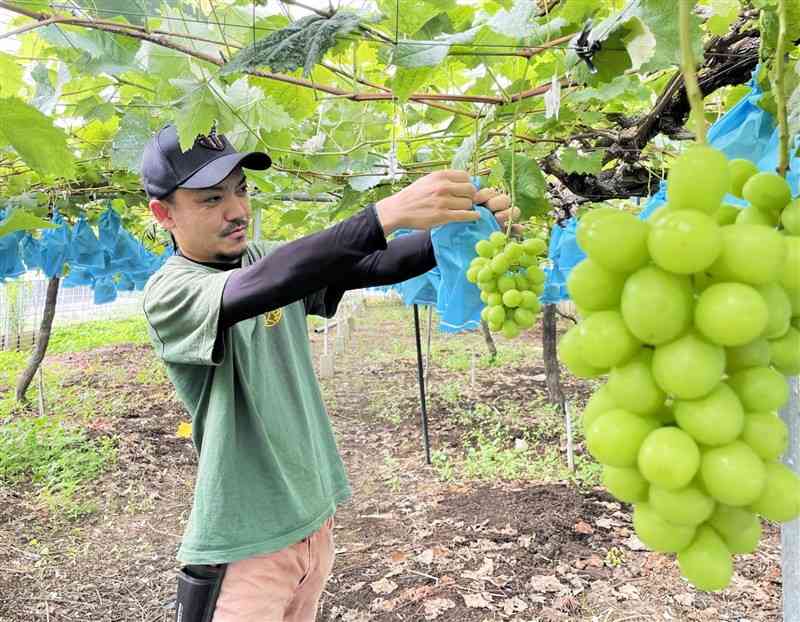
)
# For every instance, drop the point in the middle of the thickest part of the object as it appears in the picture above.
(198, 113)
(639, 42)
(20, 220)
(574, 162)
(38, 142)
(47, 93)
(607, 91)
(301, 44)
(769, 29)
(162, 62)
(411, 53)
(661, 19)
(93, 107)
(247, 112)
(134, 11)
(734, 94)
(408, 80)
(576, 11)
(516, 22)
(293, 217)
(520, 23)
(128, 144)
(104, 52)
(723, 14)
(361, 183)
(10, 75)
(371, 170)
(435, 26)
(530, 187)
(792, 80)
(411, 16)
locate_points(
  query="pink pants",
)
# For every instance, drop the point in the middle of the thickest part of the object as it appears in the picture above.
(278, 587)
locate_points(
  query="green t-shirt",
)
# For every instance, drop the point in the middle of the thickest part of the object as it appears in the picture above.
(269, 473)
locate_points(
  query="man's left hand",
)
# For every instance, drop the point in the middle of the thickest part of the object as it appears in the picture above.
(500, 205)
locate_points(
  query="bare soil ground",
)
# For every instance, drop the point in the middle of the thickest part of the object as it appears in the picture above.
(482, 535)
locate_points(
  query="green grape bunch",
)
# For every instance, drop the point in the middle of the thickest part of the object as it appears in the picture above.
(508, 274)
(694, 316)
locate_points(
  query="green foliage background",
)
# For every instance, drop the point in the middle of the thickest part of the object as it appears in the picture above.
(338, 100)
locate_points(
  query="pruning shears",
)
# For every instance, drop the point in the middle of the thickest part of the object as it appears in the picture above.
(586, 49)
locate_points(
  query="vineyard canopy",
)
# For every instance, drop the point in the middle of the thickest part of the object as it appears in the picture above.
(354, 102)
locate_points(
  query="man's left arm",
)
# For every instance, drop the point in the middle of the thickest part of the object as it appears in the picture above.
(404, 258)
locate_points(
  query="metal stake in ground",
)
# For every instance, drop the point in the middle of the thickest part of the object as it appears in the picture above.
(790, 532)
(428, 337)
(421, 378)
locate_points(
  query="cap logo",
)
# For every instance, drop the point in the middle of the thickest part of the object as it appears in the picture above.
(210, 141)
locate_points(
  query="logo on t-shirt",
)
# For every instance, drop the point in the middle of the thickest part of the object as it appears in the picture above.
(272, 318)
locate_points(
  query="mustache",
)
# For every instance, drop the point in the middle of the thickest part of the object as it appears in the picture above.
(236, 224)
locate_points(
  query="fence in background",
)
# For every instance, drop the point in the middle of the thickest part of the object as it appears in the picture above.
(22, 306)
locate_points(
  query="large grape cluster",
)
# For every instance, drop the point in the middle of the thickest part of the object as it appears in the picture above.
(694, 317)
(510, 279)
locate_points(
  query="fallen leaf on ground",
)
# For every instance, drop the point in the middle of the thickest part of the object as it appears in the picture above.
(545, 583)
(381, 604)
(629, 592)
(486, 570)
(634, 544)
(525, 541)
(383, 586)
(514, 605)
(593, 561)
(355, 616)
(566, 603)
(434, 607)
(508, 530)
(583, 527)
(477, 600)
(355, 587)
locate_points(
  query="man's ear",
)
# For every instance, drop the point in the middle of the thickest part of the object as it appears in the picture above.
(162, 214)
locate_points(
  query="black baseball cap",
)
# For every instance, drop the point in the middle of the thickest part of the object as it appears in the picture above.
(210, 160)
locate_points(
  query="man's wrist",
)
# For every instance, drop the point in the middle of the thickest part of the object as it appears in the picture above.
(388, 215)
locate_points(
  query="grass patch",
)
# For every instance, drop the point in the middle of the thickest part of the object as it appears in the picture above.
(507, 442)
(90, 335)
(65, 339)
(55, 458)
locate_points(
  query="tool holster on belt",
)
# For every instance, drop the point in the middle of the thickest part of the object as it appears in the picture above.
(198, 589)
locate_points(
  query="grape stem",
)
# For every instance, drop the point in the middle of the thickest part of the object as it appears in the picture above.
(779, 86)
(513, 133)
(690, 72)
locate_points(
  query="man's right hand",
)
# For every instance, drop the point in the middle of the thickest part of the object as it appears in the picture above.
(436, 199)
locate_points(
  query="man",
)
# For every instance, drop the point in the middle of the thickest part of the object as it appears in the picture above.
(228, 318)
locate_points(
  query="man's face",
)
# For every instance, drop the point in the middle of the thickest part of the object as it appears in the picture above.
(209, 224)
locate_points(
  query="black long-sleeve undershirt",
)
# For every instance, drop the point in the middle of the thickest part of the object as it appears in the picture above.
(319, 268)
